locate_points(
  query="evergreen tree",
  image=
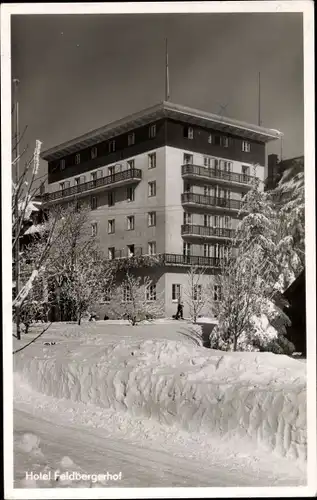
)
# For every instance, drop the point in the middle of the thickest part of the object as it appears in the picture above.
(249, 277)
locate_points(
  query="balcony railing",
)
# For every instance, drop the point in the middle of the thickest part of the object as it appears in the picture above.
(215, 173)
(206, 231)
(190, 260)
(133, 174)
(210, 201)
(166, 259)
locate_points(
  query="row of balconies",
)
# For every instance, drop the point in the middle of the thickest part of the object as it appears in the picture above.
(135, 175)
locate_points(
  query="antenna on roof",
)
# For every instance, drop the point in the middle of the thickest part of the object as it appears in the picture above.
(259, 103)
(167, 83)
(223, 110)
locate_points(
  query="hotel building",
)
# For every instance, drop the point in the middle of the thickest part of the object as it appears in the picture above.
(166, 181)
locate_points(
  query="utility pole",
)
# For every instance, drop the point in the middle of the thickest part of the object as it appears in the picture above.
(16, 204)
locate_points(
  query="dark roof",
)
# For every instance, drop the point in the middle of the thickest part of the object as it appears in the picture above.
(161, 110)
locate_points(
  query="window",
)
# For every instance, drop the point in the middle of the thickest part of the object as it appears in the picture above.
(93, 153)
(130, 222)
(197, 293)
(152, 160)
(189, 132)
(77, 181)
(210, 138)
(246, 146)
(62, 185)
(207, 162)
(217, 293)
(187, 218)
(225, 142)
(107, 296)
(217, 140)
(112, 146)
(111, 198)
(245, 170)
(111, 253)
(94, 229)
(151, 292)
(188, 159)
(93, 176)
(208, 250)
(77, 159)
(130, 193)
(126, 294)
(152, 131)
(207, 191)
(111, 226)
(131, 164)
(222, 164)
(111, 170)
(186, 249)
(130, 250)
(62, 164)
(151, 221)
(207, 220)
(176, 291)
(152, 188)
(227, 222)
(188, 188)
(93, 202)
(226, 194)
(131, 139)
(152, 248)
(228, 166)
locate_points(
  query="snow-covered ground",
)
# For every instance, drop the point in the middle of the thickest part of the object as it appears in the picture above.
(148, 402)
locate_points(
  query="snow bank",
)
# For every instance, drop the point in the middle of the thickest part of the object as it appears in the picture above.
(256, 396)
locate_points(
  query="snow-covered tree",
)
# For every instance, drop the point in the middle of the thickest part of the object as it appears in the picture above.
(196, 292)
(249, 276)
(288, 200)
(25, 204)
(76, 269)
(136, 299)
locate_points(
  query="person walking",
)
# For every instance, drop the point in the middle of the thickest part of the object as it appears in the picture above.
(180, 307)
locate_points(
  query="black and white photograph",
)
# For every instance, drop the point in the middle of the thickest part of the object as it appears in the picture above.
(158, 226)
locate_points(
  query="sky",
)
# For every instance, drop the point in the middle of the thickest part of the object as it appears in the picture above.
(80, 72)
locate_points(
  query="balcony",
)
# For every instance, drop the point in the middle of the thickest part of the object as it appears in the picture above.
(193, 199)
(206, 232)
(109, 182)
(123, 261)
(190, 171)
(169, 259)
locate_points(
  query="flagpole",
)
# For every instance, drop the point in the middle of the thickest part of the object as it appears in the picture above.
(167, 83)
